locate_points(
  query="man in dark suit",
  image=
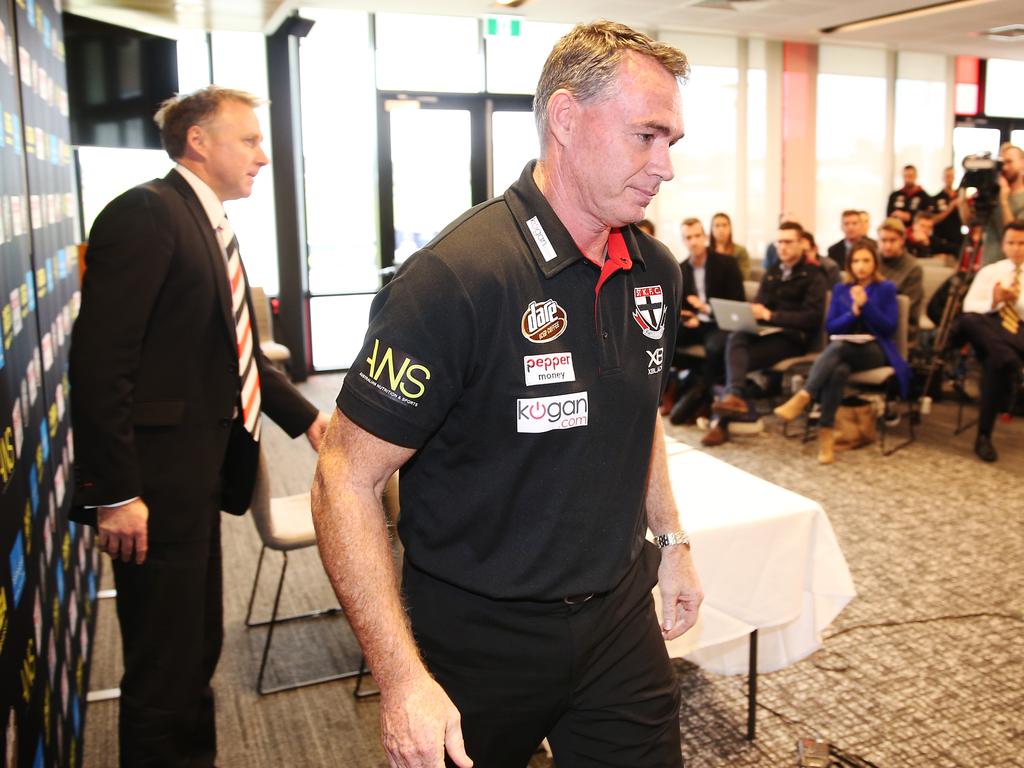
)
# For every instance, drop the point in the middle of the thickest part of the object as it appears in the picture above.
(853, 230)
(168, 386)
(706, 275)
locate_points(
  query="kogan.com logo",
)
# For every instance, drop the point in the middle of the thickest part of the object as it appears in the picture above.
(548, 369)
(544, 321)
(544, 414)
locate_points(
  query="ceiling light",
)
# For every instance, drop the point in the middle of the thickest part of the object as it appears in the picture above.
(1011, 33)
(916, 13)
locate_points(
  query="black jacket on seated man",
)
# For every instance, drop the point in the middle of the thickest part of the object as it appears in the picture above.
(797, 303)
(722, 280)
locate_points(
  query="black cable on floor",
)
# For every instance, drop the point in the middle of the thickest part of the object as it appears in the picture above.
(927, 620)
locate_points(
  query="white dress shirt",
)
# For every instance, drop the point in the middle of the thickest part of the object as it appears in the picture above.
(979, 296)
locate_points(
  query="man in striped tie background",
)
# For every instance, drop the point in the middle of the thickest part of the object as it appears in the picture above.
(992, 323)
(168, 390)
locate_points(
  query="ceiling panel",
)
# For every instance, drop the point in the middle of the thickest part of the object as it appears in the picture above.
(954, 31)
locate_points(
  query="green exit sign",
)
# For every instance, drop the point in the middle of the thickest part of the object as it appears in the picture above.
(503, 26)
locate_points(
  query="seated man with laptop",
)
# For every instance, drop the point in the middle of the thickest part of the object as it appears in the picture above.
(781, 322)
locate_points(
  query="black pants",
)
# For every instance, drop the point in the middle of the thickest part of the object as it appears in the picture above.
(746, 352)
(594, 678)
(170, 613)
(1001, 354)
(713, 339)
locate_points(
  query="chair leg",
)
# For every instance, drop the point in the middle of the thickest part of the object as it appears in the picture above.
(271, 623)
(364, 671)
(274, 620)
(255, 584)
(911, 416)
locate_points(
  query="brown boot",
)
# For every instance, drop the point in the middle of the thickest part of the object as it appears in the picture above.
(793, 407)
(826, 442)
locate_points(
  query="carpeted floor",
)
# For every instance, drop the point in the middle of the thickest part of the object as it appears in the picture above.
(924, 668)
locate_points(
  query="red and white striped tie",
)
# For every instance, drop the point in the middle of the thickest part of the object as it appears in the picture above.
(248, 371)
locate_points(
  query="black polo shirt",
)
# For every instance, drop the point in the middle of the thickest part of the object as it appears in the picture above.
(527, 379)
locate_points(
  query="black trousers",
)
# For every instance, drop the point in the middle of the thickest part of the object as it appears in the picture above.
(713, 339)
(593, 678)
(747, 352)
(1001, 354)
(170, 611)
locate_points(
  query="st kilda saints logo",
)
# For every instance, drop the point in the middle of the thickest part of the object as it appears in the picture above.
(649, 312)
(544, 321)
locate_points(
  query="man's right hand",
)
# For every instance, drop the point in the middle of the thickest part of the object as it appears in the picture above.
(124, 530)
(419, 723)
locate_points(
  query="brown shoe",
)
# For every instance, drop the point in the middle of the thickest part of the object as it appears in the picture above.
(730, 405)
(715, 436)
(668, 397)
(793, 407)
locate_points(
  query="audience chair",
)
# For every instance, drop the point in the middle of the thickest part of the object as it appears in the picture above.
(814, 349)
(882, 378)
(285, 524)
(278, 354)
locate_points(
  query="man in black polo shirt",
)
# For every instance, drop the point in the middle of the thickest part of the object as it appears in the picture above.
(513, 370)
(908, 199)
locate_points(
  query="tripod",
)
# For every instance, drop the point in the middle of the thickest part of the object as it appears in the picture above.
(970, 261)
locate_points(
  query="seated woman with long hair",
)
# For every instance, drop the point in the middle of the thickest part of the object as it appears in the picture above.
(865, 304)
(721, 242)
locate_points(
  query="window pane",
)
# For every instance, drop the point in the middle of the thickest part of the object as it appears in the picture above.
(1002, 88)
(1017, 138)
(240, 61)
(193, 61)
(921, 119)
(339, 136)
(431, 188)
(106, 173)
(760, 228)
(428, 53)
(850, 151)
(705, 160)
(338, 326)
(514, 138)
(514, 63)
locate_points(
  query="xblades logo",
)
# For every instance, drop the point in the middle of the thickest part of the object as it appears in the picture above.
(655, 361)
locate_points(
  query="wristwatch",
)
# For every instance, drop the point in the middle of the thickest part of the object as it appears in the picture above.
(663, 540)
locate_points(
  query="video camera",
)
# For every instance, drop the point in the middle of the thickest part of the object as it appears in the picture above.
(982, 172)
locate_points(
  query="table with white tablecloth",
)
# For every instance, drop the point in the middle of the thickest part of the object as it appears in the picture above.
(769, 563)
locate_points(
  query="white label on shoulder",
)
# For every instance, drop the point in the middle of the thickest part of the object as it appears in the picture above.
(553, 368)
(541, 238)
(544, 414)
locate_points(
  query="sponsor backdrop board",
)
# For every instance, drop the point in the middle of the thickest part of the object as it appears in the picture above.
(48, 566)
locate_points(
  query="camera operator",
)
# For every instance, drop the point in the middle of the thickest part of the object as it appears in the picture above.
(1007, 206)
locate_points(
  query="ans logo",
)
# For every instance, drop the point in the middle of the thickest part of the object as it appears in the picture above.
(655, 361)
(544, 414)
(649, 312)
(396, 374)
(544, 321)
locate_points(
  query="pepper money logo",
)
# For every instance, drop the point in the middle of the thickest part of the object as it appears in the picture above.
(545, 414)
(544, 321)
(396, 374)
(650, 310)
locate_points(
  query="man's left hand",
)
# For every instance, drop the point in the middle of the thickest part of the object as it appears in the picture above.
(761, 312)
(316, 430)
(681, 592)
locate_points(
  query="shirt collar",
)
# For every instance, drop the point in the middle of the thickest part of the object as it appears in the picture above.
(207, 197)
(549, 241)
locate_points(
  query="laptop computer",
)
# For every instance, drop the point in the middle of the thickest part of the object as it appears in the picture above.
(738, 316)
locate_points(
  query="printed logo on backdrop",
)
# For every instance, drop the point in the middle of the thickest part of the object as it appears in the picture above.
(552, 368)
(545, 414)
(655, 360)
(649, 312)
(544, 321)
(395, 374)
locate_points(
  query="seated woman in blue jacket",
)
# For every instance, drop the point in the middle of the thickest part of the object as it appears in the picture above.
(864, 305)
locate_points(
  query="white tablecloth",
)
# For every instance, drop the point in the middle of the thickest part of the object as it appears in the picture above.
(768, 560)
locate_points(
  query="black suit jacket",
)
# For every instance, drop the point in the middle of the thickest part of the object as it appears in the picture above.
(154, 368)
(722, 279)
(837, 251)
